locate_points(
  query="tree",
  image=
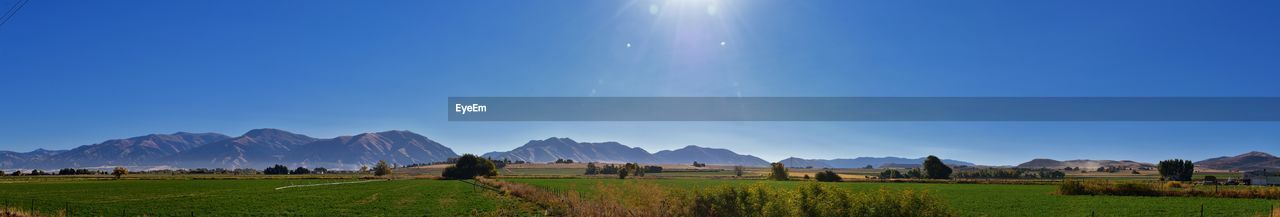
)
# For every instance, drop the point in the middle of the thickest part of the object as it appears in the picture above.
(276, 170)
(915, 173)
(469, 166)
(301, 171)
(119, 171)
(828, 176)
(935, 169)
(777, 171)
(592, 169)
(868, 167)
(1176, 169)
(364, 169)
(622, 173)
(806, 176)
(382, 169)
(320, 170)
(891, 174)
(739, 170)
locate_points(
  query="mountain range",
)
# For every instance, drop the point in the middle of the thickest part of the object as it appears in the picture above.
(861, 162)
(257, 148)
(552, 149)
(1083, 164)
(260, 148)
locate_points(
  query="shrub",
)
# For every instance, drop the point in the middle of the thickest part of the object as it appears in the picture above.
(469, 166)
(739, 170)
(828, 176)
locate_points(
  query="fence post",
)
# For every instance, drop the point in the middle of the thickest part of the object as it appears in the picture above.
(1202, 210)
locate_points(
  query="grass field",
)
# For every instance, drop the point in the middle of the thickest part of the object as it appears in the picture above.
(987, 199)
(256, 198)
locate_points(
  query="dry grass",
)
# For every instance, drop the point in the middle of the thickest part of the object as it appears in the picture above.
(1173, 189)
(10, 212)
(640, 198)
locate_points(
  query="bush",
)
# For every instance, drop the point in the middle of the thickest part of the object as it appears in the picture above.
(828, 176)
(469, 166)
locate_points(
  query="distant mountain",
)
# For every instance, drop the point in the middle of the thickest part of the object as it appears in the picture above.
(553, 148)
(10, 159)
(713, 156)
(1083, 164)
(256, 148)
(802, 163)
(396, 147)
(1248, 161)
(142, 150)
(861, 162)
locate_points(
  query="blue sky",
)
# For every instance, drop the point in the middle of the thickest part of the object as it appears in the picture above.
(78, 73)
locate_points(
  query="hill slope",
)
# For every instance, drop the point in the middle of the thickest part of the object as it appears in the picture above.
(714, 156)
(142, 150)
(551, 149)
(255, 149)
(396, 147)
(1083, 163)
(1248, 161)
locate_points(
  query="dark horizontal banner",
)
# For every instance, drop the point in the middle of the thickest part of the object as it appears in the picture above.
(864, 109)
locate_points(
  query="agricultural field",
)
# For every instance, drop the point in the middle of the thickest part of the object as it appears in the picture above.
(981, 199)
(256, 197)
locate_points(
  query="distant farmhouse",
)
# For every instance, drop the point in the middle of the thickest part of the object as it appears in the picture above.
(1262, 177)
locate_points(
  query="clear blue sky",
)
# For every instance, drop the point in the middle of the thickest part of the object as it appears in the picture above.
(78, 73)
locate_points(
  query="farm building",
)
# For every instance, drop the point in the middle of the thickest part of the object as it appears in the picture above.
(1262, 177)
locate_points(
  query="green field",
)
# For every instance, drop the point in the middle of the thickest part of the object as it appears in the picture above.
(987, 199)
(255, 198)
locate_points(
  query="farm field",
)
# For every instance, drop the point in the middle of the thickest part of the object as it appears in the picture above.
(256, 197)
(984, 199)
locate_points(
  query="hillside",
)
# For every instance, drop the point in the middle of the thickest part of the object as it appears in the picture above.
(1254, 160)
(256, 148)
(551, 149)
(861, 162)
(1083, 163)
(713, 156)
